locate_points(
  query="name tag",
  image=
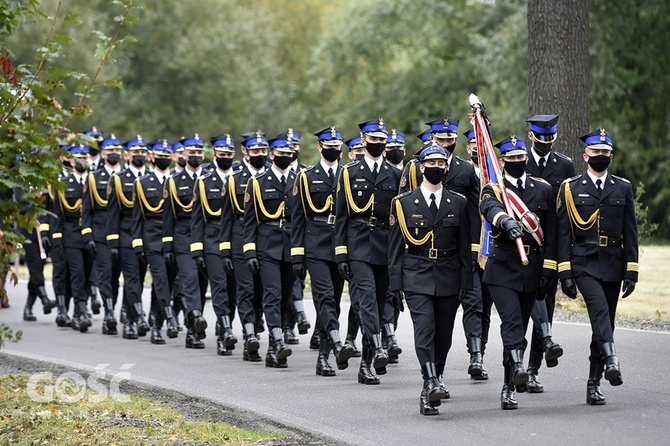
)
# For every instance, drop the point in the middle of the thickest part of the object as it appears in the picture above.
(270, 190)
(317, 182)
(361, 180)
(69, 189)
(584, 195)
(215, 190)
(151, 189)
(184, 187)
(128, 184)
(417, 216)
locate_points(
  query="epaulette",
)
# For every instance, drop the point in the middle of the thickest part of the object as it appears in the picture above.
(571, 179)
(621, 178)
(206, 174)
(404, 194)
(457, 193)
(541, 180)
(461, 159)
(351, 164)
(305, 169)
(563, 155)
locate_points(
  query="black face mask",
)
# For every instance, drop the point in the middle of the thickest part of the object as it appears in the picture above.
(139, 161)
(162, 163)
(93, 151)
(475, 158)
(80, 166)
(434, 175)
(295, 155)
(258, 161)
(181, 162)
(375, 149)
(67, 164)
(224, 163)
(113, 159)
(515, 169)
(330, 155)
(360, 156)
(394, 156)
(195, 161)
(450, 148)
(599, 163)
(282, 162)
(542, 148)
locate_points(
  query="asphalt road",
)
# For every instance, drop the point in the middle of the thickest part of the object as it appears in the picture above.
(338, 408)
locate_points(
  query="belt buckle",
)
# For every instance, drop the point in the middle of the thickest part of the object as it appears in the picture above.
(282, 223)
(603, 240)
(372, 221)
(432, 253)
(526, 248)
(331, 219)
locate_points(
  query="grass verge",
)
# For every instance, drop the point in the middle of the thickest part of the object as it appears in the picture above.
(76, 417)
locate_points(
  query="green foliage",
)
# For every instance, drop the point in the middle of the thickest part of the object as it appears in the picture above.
(645, 228)
(7, 334)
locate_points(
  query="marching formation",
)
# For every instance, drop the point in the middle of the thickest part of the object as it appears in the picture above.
(437, 233)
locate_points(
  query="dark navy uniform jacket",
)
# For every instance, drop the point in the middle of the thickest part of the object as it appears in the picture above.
(120, 205)
(94, 207)
(67, 207)
(209, 195)
(178, 195)
(557, 168)
(148, 213)
(597, 229)
(232, 213)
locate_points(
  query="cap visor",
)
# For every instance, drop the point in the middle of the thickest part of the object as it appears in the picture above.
(446, 134)
(515, 152)
(378, 134)
(600, 146)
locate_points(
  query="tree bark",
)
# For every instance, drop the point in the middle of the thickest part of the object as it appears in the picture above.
(559, 80)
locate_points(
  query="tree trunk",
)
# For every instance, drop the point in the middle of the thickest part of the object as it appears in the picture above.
(559, 80)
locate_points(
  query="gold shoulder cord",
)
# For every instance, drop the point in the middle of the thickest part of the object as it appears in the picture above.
(413, 183)
(232, 195)
(175, 199)
(350, 198)
(206, 209)
(51, 192)
(144, 203)
(120, 195)
(405, 230)
(310, 203)
(65, 206)
(258, 203)
(573, 214)
(95, 196)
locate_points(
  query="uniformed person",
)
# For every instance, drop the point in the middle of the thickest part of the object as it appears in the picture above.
(312, 248)
(598, 251)
(543, 162)
(254, 149)
(411, 175)
(178, 194)
(512, 285)
(95, 225)
(365, 191)
(95, 160)
(147, 233)
(67, 238)
(430, 263)
(356, 148)
(210, 192)
(267, 242)
(121, 201)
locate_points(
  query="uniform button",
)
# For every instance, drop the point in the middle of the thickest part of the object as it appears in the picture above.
(375, 189)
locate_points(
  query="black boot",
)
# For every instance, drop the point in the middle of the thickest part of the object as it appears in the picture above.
(123, 316)
(227, 332)
(84, 321)
(251, 344)
(323, 367)
(365, 375)
(28, 309)
(439, 371)
(352, 331)
(288, 322)
(129, 331)
(109, 322)
(302, 322)
(425, 408)
(280, 349)
(593, 395)
(95, 302)
(171, 322)
(198, 323)
(519, 374)
(156, 336)
(314, 340)
(393, 350)
(534, 363)
(341, 351)
(380, 358)
(47, 304)
(75, 318)
(507, 396)
(552, 350)
(476, 366)
(434, 389)
(142, 325)
(62, 319)
(192, 338)
(612, 370)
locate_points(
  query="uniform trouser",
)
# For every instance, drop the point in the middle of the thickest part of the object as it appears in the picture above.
(231, 289)
(433, 318)
(354, 311)
(248, 287)
(601, 300)
(159, 273)
(487, 303)
(327, 286)
(34, 263)
(369, 286)
(193, 282)
(472, 310)
(132, 276)
(218, 284)
(60, 276)
(108, 274)
(78, 270)
(514, 309)
(389, 311)
(541, 315)
(278, 279)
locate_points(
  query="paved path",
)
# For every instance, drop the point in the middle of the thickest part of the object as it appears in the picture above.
(638, 412)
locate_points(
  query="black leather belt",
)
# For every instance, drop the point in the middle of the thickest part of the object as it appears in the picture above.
(330, 219)
(372, 221)
(283, 224)
(529, 249)
(601, 240)
(431, 253)
(153, 217)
